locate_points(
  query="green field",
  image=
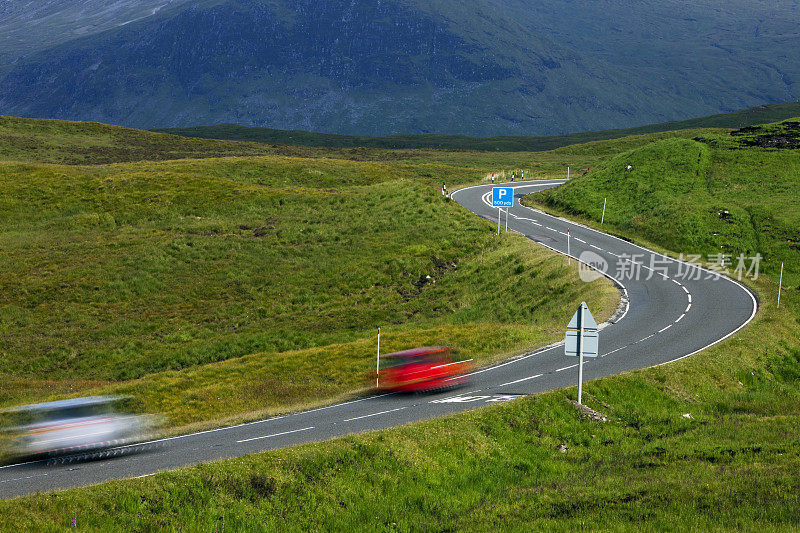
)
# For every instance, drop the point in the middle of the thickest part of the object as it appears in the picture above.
(218, 288)
(503, 143)
(709, 443)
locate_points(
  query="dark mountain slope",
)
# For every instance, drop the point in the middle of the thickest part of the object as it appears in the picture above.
(28, 26)
(477, 67)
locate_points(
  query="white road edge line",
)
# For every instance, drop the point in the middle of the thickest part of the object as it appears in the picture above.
(453, 363)
(341, 404)
(275, 435)
(510, 361)
(165, 439)
(373, 414)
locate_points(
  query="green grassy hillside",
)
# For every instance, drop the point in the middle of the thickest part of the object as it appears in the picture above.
(222, 287)
(504, 143)
(733, 193)
(92, 143)
(707, 443)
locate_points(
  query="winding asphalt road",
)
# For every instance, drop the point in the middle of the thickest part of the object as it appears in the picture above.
(669, 310)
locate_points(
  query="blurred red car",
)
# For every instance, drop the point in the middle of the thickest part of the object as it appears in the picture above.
(421, 369)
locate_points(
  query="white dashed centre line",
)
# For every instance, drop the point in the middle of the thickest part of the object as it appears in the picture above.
(276, 434)
(521, 380)
(566, 368)
(680, 317)
(687, 308)
(595, 247)
(662, 330)
(373, 414)
(580, 240)
(21, 478)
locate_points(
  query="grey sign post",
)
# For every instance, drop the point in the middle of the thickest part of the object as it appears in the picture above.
(581, 340)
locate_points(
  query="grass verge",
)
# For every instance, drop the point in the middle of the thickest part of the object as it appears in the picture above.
(534, 463)
(226, 288)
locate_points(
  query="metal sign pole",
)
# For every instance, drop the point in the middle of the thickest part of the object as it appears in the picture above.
(580, 356)
(378, 362)
(506, 220)
(602, 218)
(780, 283)
(498, 220)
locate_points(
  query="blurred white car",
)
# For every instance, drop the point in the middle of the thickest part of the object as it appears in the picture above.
(73, 426)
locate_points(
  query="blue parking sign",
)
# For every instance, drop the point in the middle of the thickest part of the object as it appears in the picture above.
(502, 196)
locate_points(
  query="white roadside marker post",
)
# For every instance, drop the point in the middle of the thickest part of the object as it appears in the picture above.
(780, 284)
(567, 172)
(378, 361)
(580, 356)
(602, 218)
(569, 259)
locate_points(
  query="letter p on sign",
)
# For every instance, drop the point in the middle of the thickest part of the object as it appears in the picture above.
(502, 196)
